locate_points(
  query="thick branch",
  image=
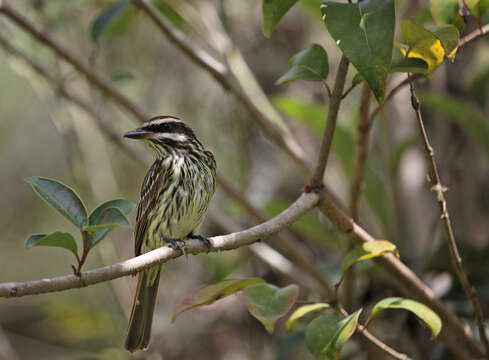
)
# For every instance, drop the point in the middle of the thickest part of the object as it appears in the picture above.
(439, 189)
(163, 254)
(334, 107)
(453, 331)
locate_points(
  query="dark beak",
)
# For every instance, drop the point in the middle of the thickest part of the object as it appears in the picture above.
(138, 134)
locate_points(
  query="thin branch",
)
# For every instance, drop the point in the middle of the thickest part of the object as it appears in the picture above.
(104, 85)
(439, 189)
(453, 331)
(277, 132)
(474, 35)
(293, 248)
(163, 254)
(327, 140)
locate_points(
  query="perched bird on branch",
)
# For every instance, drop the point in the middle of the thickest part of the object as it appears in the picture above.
(174, 198)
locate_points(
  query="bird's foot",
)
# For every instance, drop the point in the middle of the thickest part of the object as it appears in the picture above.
(205, 240)
(175, 244)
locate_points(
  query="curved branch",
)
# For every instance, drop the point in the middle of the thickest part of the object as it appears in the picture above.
(163, 254)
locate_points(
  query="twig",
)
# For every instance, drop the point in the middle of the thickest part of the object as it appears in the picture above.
(104, 85)
(439, 189)
(408, 283)
(278, 133)
(163, 254)
(334, 106)
(293, 248)
(473, 36)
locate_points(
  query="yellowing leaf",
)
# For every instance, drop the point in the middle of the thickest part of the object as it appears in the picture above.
(368, 250)
(423, 44)
(302, 311)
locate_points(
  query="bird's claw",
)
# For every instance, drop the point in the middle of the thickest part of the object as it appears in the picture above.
(175, 244)
(205, 240)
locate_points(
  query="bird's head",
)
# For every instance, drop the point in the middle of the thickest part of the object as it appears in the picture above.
(166, 134)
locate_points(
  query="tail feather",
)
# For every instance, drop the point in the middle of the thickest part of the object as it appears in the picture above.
(139, 330)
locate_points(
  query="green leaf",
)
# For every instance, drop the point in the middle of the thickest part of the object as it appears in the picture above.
(462, 113)
(273, 11)
(444, 11)
(357, 79)
(122, 205)
(108, 17)
(56, 239)
(303, 311)
(212, 293)
(169, 13)
(449, 36)
(367, 251)
(422, 44)
(109, 218)
(61, 198)
(478, 7)
(409, 65)
(268, 303)
(312, 115)
(310, 64)
(420, 310)
(365, 34)
(326, 334)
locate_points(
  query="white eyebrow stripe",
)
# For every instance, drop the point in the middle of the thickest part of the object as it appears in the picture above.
(161, 121)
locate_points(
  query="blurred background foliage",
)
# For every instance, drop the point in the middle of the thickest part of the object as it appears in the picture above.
(42, 134)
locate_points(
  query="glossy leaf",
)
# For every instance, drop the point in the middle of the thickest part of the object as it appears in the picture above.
(409, 65)
(273, 11)
(303, 311)
(423, 312)
(108, 17)
(109, 218)
(422, 44)
(310, 64)
(365, 34)
(462, 113)
(56, 239)
(124, 206)
(209, 294)
(268, 303)
(449, 36)
(326, 334)
(444, 11)
(61, 198)
(368, 250)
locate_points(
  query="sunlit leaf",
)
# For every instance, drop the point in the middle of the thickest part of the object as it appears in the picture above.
(209, 294)
(56, 239)
(420, 310)
(444, 11)
(368, 250)
(422, 44)
(449, 36)
(61, 198)
(268, 303)
(409, 65)
(310, 64)
(108, 17)
(303, 311)
(365, 33)
(478, 7)
(273, 11)
(326, 334)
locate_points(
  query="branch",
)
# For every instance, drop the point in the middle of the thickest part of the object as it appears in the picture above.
(453, 331)
(277, 132)
(163, 254)
(327, 140)
(437, 187)
(104, 85)
(474, 35)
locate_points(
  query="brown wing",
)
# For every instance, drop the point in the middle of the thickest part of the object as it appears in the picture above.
(152, 185)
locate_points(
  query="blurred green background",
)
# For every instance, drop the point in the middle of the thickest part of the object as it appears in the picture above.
(42, 134)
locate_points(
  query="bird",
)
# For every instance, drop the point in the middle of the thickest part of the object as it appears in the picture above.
(174, 199)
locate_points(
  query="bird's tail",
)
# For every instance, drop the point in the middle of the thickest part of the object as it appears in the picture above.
(139, 330)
